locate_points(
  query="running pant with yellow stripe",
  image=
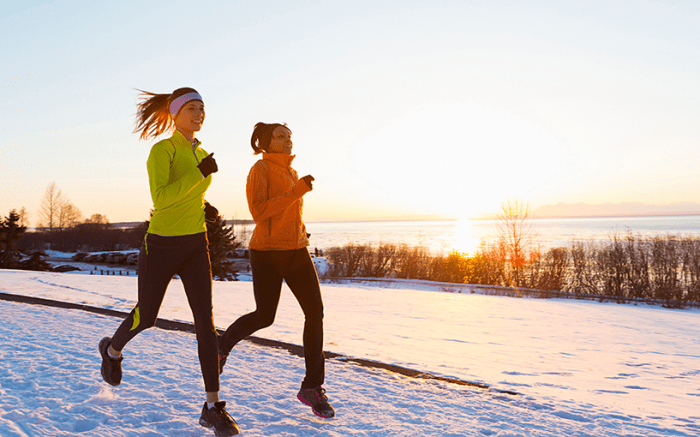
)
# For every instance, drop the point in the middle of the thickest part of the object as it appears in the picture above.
(159, 260)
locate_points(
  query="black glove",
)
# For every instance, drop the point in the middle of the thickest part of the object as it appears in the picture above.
(208, 165)
(210, 213)
(308, 179)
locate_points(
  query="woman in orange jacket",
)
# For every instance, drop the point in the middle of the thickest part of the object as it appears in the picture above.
(278, 252)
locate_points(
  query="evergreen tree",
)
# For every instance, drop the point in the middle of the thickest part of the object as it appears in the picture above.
(221, 244)
(10, 231)
(37, 261)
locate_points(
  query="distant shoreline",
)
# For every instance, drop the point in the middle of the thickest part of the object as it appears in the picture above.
(648, 215)
(624, 209)
(533, 217)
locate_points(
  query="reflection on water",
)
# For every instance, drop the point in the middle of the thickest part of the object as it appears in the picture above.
(465, 238)
(441, 237)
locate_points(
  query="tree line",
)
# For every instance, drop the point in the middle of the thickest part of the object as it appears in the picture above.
(61, 227)
(624, 267)
(24, 250)
(57, 212)
(628, 267)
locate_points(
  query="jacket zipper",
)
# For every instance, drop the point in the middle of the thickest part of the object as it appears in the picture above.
(194, 148)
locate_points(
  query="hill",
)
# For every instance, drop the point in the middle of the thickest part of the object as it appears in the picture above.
(615, 209)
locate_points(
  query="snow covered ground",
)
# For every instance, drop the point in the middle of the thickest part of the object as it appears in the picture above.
(580, 368)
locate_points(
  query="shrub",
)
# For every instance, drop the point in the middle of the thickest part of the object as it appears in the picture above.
(621, 268)
(411, 262)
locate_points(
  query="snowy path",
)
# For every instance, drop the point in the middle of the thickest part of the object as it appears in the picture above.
(50, 385)
(581, 368)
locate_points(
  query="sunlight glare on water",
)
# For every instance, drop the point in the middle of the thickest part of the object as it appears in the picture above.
(465, 237)
(442, 237)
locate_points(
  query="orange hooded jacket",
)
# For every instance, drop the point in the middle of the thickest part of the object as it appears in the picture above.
(274, 192)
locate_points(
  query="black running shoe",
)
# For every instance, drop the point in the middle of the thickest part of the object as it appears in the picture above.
(317, 400)
(111, 368)
(218, 418)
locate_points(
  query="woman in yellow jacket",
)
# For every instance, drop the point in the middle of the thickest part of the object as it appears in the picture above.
(179, 173)
(278, 252)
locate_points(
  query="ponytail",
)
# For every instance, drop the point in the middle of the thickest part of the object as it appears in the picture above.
(262, 135)
(153, 115)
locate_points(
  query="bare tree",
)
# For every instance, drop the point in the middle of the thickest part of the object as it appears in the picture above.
(50, 207)
(23, 217)
(69, 215)
(57, 211)
(97, 219)
(516, 236)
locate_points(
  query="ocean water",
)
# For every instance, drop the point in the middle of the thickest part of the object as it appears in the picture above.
(467, 235)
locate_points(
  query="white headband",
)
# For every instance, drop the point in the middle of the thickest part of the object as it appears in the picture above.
(178, 103)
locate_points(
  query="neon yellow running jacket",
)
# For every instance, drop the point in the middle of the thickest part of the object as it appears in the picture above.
(177, 186)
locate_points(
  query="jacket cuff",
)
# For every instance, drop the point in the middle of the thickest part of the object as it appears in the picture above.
(301, 188)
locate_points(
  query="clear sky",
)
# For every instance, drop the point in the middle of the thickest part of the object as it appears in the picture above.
(398, 108)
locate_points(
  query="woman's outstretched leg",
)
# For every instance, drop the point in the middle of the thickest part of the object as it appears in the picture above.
(197, 281)
(267, 286)
(156, 269)
(302, 279)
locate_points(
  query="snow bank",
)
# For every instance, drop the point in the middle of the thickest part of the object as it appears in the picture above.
(581, 368)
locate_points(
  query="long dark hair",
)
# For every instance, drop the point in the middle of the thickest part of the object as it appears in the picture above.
(262, 135)
(153, 112)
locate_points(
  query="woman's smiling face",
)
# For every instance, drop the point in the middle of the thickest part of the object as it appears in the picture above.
(190, 118)
(281, 141)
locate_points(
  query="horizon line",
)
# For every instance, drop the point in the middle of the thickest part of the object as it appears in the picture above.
(448, 219)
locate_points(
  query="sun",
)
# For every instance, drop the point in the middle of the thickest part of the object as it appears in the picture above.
(466, 238)
(457, 160)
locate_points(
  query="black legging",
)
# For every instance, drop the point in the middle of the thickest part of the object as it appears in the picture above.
(159, 260)
(297, 270)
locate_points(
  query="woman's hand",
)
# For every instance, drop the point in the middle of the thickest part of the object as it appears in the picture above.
(208, 165)
(308, 179)
(210, 213)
